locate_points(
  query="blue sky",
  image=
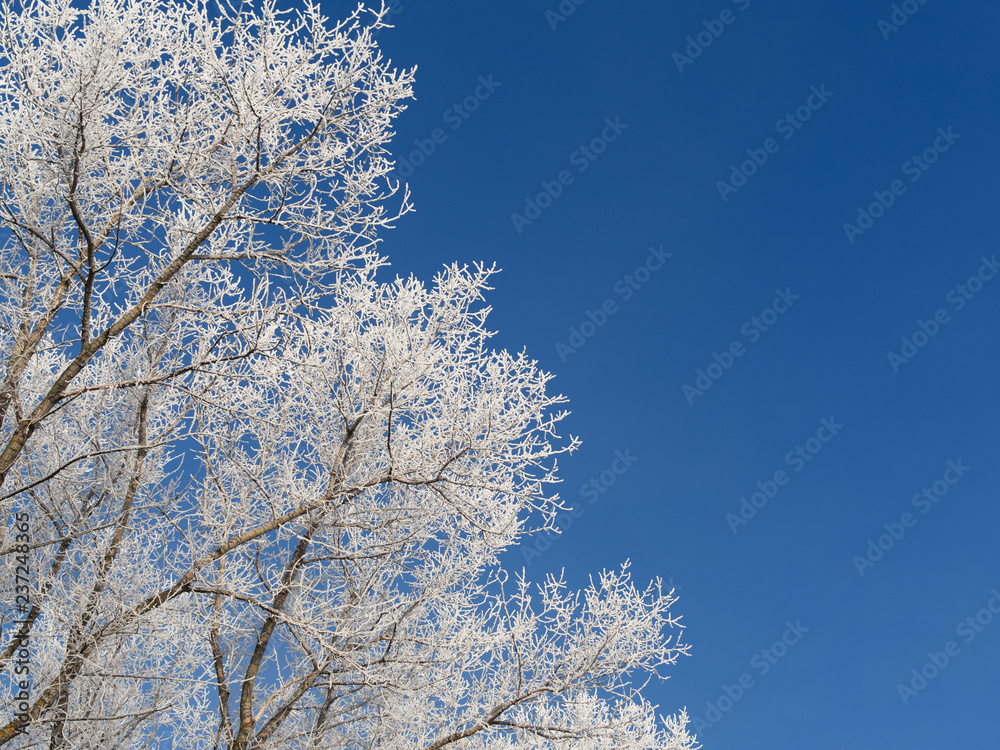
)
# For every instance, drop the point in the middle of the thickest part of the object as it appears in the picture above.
(778, 209)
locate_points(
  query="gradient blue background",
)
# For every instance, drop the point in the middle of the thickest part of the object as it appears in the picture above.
(826, 357)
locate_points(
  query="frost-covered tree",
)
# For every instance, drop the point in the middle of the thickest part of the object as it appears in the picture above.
(251, 496)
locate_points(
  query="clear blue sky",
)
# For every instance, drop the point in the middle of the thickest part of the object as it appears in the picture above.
(839, 113)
